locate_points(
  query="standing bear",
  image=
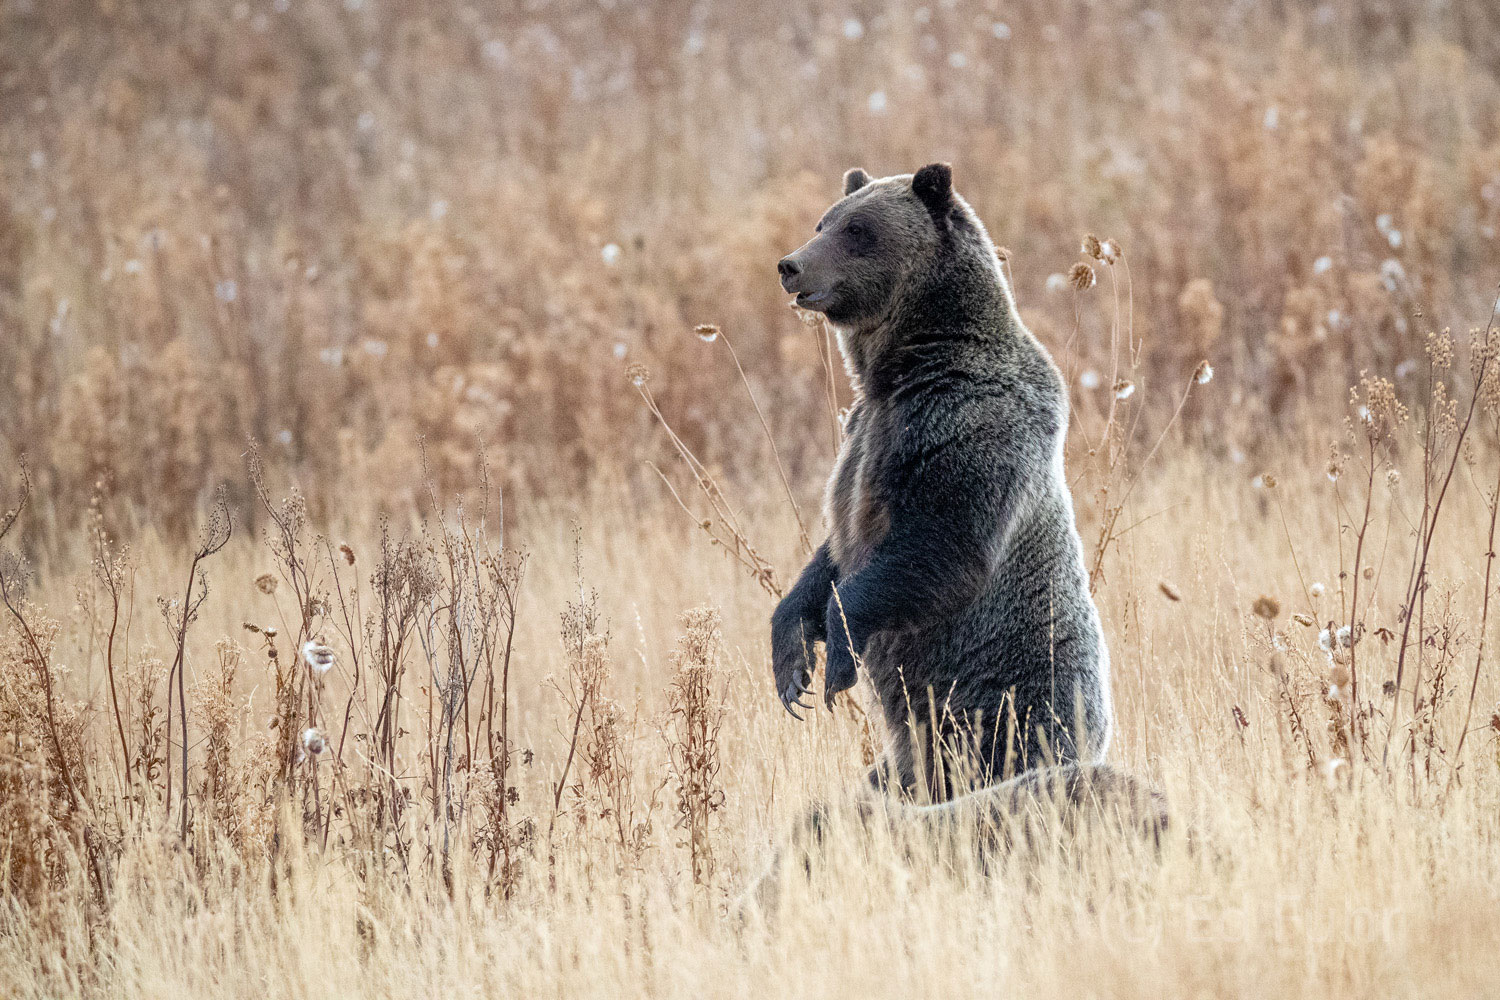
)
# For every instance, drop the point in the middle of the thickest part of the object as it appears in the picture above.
(953, 570)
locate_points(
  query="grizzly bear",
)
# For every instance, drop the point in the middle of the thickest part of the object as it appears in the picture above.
(953, 570)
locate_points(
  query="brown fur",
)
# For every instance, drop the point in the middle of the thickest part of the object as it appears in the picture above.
(857, 517)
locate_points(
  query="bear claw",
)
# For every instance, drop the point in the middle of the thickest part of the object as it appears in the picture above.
(792, 695)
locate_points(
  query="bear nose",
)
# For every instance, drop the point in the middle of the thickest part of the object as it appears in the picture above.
(788, 268)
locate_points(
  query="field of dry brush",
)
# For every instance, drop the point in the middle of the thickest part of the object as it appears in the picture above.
(404, 441)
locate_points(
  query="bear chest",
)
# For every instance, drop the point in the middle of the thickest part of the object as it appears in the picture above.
(855, 508)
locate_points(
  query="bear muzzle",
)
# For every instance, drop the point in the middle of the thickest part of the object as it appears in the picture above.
(794, 282)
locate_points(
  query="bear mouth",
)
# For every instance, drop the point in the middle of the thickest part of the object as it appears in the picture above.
(808, 299)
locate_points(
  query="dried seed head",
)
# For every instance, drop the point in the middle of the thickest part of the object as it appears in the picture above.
(265, 583)
(638, 375)
(1266, 607)
(313, 742)
(346, 552)
(707, 332)
(1204, 374)
(318, 657)
(1082, 277)
(1002, 254)
(1124, 389)
(1440, 350)
(1304, 620)
(807, 316)
(1168, 591)
(1104, 251)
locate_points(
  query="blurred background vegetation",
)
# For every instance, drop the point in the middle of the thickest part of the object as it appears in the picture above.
(341, 228)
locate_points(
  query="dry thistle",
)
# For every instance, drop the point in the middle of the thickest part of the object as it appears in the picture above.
(1266, 607)
(1082, 277)
(313, 742)
(266, 583)
(637, 375)
(318, 657)
(1104, 251)
(707, 332)
(807, 316)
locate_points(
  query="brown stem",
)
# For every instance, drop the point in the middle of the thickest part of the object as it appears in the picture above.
(1484, 616)
(1359, 547)
(807, 546)
(109, 664)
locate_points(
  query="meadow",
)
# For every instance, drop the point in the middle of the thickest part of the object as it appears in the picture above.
(404, 441)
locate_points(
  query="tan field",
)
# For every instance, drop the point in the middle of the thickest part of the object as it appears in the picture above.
(404, 442)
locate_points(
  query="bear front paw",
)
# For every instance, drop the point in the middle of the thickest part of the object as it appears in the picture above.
(791, 665)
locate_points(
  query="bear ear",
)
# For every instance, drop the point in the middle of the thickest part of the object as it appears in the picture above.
(933, 184)
(854, 180)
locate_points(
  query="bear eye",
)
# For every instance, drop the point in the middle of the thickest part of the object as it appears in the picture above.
(856, 229)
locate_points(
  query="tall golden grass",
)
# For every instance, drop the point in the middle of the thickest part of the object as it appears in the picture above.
(366, 631)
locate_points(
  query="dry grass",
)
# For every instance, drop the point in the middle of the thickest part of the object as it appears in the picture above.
(450, 696)
(615, 879)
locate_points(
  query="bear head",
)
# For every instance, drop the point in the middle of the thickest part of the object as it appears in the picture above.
(879, 238)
